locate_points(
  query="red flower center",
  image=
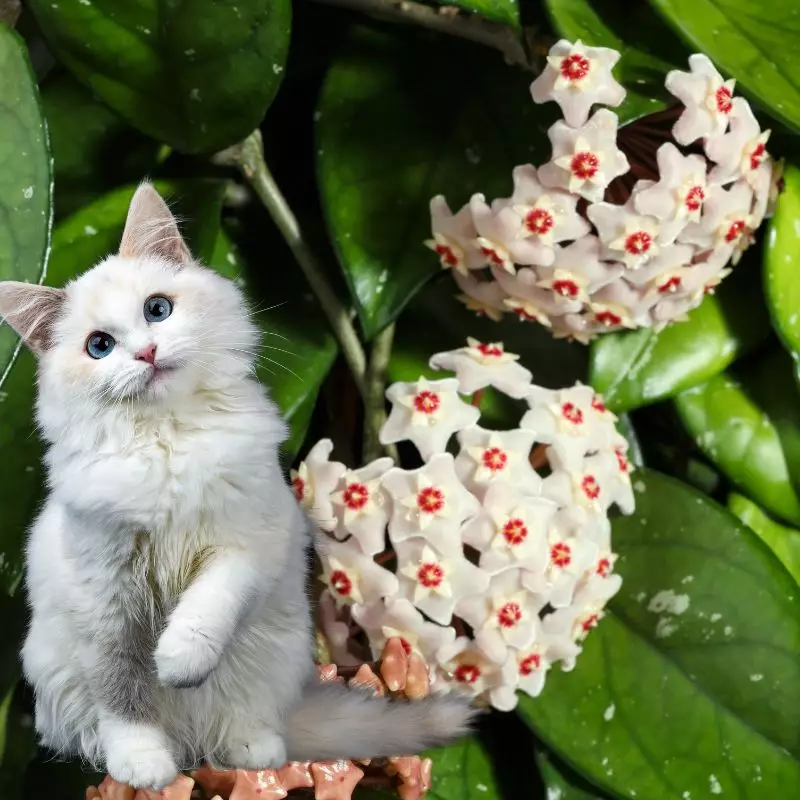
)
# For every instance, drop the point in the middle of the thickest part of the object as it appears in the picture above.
(734, 231)
(566, 288)
(757, 156)
(467, 673)
(448, 257)
(598, 405)
(427, 402)
(694, 198)
(430, 500)
(299, 488)
(509, 615)
(515, 531)
(724, 100)
(584, 165)
(622, 461)
(575, 67)
(670, 285)
(590, 486)
(604, 567)
(341, 583)
(494, 459)
(561, 554)
(523, 315)
(572, 413)
(638, 243)
(530, 663)
(608, 318)
(430, 574)
(355, 496)
(490, 350)
(590, 622)
(539, 221)
(492, 255)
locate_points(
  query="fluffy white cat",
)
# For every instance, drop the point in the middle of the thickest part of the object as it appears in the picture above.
(166, 572)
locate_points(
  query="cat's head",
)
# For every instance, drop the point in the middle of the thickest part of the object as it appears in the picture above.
(145, 326)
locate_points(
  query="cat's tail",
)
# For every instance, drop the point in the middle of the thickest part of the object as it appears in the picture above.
(334, 722)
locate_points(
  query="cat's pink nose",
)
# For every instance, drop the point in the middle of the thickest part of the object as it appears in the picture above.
(147, 354)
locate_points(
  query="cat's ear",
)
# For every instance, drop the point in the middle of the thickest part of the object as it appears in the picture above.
(151, 229)
(31, 310)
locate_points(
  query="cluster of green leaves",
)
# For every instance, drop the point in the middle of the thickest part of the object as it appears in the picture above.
(685, 700)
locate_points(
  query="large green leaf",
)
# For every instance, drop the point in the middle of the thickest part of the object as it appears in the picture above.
(638, 368)
(784, 541)
(196, 74)
(462, 771)
(25, 210)
(505, 11)
(729, 416)
(690, 687)
(756, 43)
(782, 263)
(392, 131)
(648, 48)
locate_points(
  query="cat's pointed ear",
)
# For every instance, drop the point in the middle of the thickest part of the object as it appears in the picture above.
(151, 229)
(31, 310)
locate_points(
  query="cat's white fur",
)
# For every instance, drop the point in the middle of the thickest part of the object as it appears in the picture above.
(166, 571)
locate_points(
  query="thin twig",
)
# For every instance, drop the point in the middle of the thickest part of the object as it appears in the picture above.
(375, 410)
(248, 156)
(445, 19)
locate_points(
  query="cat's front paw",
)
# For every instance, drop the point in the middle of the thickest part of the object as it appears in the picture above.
(185, 655)
(263, 749)
(139, 756)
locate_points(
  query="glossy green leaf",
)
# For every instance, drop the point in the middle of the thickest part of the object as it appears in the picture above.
(560, 782)
(395, 130)
(25, 211)
(729, 416)
(782, 540)
(782, 263)
(756, 43)
(94, 151)
(648, 48)
(638, 368)
(462, 771)
(198, 75)
(690, 687)
(505, 11)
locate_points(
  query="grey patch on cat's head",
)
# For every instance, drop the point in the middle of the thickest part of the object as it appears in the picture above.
(31, 310)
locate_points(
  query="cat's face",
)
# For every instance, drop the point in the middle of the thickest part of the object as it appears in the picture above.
(145, 326)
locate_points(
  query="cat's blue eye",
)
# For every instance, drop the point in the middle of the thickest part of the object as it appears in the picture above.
(99, 344)
(157, 308)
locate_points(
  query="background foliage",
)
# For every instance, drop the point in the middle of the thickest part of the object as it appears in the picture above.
(364, 116)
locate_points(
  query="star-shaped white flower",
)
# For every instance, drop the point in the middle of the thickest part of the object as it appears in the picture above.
(454, 237)
(579, 263)
(488, 456)
(482, 364)
(615, 468)
(313, 482)
(430, 503)
(577, 77)
(626, 236)
(527, 311)
(673, 259)
(611, 316)
(526, 670)
(434, 582)
(585, 160)
(525, 285)
(361, 506)
(397, 618)
(584, 486)
(485, 298)
(427, 413)
(351, 576)
(707, 98)
(465, 668)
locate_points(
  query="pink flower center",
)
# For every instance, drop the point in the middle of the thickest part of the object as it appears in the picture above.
(566, 288)
(355, 496)
(638, 243)
(670, 285)
(734, 231)
(694, 198)
(598, 405)
(515, 531)
(430, 574)
(494, 459)
(467, 673)
(448, 257)
(561, 554)
(622, 461)
(608, 318)
(299, 488)
(590, 487)
(604, 567)
(341, 583)
(572, 413)
(757, 156)
(509, 615)
(523, 315)
(492, 255)
(539, 221)
(584, 165)
(529, 664)
(575, 67)
(426, 402)
(590, 622)
(490, 350)
(430, 500)
(724, 100)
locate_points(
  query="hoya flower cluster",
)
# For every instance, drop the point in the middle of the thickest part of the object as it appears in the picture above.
(489, 569)
(557, 253)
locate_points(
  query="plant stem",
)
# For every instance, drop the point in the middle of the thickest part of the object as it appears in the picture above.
(446, 19)
(249, 158)
(375, 408)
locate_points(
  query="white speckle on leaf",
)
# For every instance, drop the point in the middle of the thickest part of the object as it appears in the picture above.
(716, 788)
(640, 597)
(277, 69)
(90, 230)
(86, 2)
(27, 193)
(189, 52)
(667, 600)
(756, 677)
(195, 94)
(665, 627)
(473, 156)
(716, 617)
(553, 793)
(481, 787)
(771, 238)
(3, 396)
(608, 714)
(727, 630)
(687, 795)
(687, 579)
(796, 223)
(639, 486)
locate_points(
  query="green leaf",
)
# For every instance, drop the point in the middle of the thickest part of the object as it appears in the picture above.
(463, 771)
(198, 75)
(392, 132)
(638, 368)
(729, 416)
(25, 212)
(561, 782)
(648, 48)
(782, 263)
(783, 541)
(753, 42)
(690, 687)
(505, 11)
(94, 151)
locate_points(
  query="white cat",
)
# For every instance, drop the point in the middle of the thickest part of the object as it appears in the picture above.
(167, 569)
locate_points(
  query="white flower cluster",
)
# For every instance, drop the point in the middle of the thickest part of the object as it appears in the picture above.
(556, 253)
(483, 544)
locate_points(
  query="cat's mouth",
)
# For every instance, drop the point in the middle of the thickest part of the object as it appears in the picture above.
(159, 371)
